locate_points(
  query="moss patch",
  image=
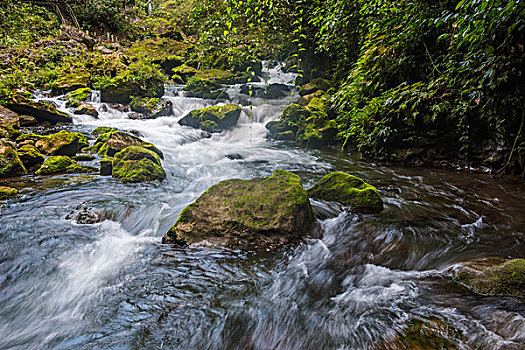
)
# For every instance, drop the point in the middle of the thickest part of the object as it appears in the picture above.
(213, 119)
(10, 163)
(63, 143)
(137, 164)
(348, 190)
(7, 193)
(63, 165)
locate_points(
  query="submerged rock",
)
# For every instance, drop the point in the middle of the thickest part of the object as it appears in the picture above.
(137, 164)
(85, 215)
(10, 163)
(257, 213)
(348, 190)
(213, 119)
(493, 276)
(41, 111)
(427, 335)
(112, 142)
(63, 165)
(7, 193)
(63, 143)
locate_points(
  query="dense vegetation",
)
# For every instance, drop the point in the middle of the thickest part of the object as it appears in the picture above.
(421, 82)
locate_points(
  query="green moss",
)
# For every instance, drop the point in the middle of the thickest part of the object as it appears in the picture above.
(207, 89)
(7, 193)
(316, 104)
(8, 132)
(112, 142)
(427, 335)
(348, 190)
(213, 119)
(493, 277)
(295, 114)
(62, 165)
(62, 143)
(137, 164)
(79, 95)
(73, 103)
(102, 130)
(10, 163)
(30, 156)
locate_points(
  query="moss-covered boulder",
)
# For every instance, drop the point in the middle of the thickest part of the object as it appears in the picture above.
(138, 80)
(305, 100)
(81, 94)
(271, 92)
(137, 164)
(182, 73)
(86, 109)
(493, 276)
(281, 130)
(8, 132)
(213, 119)
(63, 143)
(30, 156)
(292, 119)
(151, 108)
(257, 213)
(10, 163)
(69, 81)
(202, 88)
(313, 86)
(110, 143)
(102, 130)
(43, 112)
(63, 165)
(7, 193)
(348, 190)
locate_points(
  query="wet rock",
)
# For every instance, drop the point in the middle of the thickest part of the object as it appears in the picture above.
(102, 130)
(87, 109)
(150, 108)
(348, 190)
(123, 90)
(427, 335)
(235, 156)
(202, 88)
(314, 85)
(305, 100)
(41, 111)
(488, 276)
(271, 92)
(7, 193)
(10, 163)
(120, 107)
(213, 119)
(137, 164)
(63, 143)
(27, 120)
(106, 166)
(110, 143)
(85, 215)
(8, 132)
(30, 156)
(257, 213)
(83, 157)
(8, 117)
(63, 165)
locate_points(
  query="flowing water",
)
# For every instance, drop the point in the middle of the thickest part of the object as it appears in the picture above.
(113, 285)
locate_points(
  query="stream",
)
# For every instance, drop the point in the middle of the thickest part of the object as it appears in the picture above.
(114, 285)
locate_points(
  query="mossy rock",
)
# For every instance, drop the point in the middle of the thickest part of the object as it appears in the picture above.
(73, 103)
(271, 92)
(8, 132)
(137, 164)
(30, 138)
(83, 157)
(213, 119)
(316, 104)
(30, 156)
(493, 276)
(71, 81)
(10, 163)
(182, 73)
(314, 85)
(102, 130)
(258, 213)
(306, 99)
(348, 190)
(63, 143)
(81, 94)
(122, 89)
(295, 114)
(41, 111)
(7, 193)
(427, 334)
(110, 143)
(8, 117)
(315, 136)
(63, 165)
(206, 89)
(151, 107)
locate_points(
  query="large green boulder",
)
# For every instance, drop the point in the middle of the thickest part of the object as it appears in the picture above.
(63, 165)
(80, 94)
(102, 130)
(137, 164)
(7, 193)
(10, 163)
(122, 89)
(112, 142)
(30, 156)
(348, 190)
(493, 276)
(43, 112)
(63, 143)
(151, 108)
(257, 213)
(213, 119)
(203, 88)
